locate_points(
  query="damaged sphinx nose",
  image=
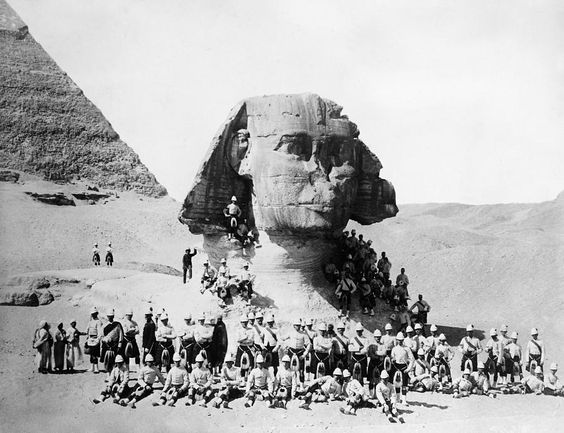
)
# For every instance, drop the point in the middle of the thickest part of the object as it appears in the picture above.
(295, 164)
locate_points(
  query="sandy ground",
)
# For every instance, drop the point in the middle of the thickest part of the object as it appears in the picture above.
(482, 264)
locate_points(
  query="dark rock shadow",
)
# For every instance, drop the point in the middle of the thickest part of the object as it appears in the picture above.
(428, 405)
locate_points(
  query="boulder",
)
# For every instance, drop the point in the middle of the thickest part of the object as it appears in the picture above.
(21, 296)
(295, 164)
(57, 198)
(9, 176)
(94, 196)
(44, 297)
(39, 283)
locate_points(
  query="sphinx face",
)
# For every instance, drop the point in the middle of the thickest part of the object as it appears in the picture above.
(300, 168)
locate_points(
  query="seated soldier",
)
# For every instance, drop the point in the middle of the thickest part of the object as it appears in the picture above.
(356, 396)
(285, 384)
(117, 382)
(231, 383)
(463, 386)
(259, 384)
(200, 383)
(246, 280)
(552, 385)
(221, 288)
(533, 384)
(481, 381)
(176, 384)
(421, 367)
(428, 382)
(209, 276)
(386, 396)
(148, 375)
(323, 389)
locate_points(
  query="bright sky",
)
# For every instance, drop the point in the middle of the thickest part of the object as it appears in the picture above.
(463, 101)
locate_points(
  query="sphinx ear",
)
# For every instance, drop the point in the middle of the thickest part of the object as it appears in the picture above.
(217, 180)
(375, 198)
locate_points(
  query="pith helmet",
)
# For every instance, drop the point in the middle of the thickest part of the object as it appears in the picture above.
(285, 358)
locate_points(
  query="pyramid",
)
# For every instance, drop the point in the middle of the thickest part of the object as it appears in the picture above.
(50, 129)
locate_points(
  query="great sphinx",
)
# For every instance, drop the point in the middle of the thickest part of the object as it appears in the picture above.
(297, 167)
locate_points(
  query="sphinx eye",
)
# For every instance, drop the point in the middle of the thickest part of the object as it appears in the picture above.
(299, 145)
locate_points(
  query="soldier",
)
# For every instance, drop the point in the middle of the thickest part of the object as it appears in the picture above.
(130, 330)
(148, 375)
(402, 361)
(109, 255)
(96, 255)
(386, 396)
(367, 299)
(423, 309)
(481, 381)
(443, 355)
(376, 356)
(388, 339)
(356, 396)
(432, 342)
(345, 288)
(428, 382)
(323, 389)
(463, 385)
(410, 342)
(231, 382)
(203, 333)
(419, 337)
(298, 345)
(246, 281)
(385, 266)
(260, 384)
(494, 348)
(232, 212)
(271, 344)
(533, 384)
(209, 276)
(112, 340)
(200, 383)
(258, 332)
(421, 367)
(515, 357)
(187, 264)
(95, 332)
(176, 383)
(165, 337)
(149, 341)
(245, 341)
(358, 348)
(285, 384)
(469, 347)
(322, 345)
(534, 351)
(117, 382)
(552, 385)
(187, 341)
(402, 278)
(340, 347)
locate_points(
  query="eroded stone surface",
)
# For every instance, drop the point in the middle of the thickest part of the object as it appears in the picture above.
(303, 170)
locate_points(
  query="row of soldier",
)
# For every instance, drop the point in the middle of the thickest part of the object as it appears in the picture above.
(223, 283)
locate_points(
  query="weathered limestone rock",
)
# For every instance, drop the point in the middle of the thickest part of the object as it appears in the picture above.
(18, 295)
(49, 128)
(303, 170)
(9, 176)
(58, 198)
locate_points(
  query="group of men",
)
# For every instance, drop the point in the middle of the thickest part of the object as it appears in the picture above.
(223, 283)
(362, 272)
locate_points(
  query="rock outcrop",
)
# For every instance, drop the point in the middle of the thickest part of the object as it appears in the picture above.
(302, 169)
(57, 198)
(50, 128)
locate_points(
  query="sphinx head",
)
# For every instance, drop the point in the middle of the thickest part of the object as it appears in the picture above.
(296, 165)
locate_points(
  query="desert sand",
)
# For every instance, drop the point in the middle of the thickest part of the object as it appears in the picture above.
(486, 265)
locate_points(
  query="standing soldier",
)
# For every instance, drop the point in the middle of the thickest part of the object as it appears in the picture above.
(245, 341)
(187, 341)
(469, 347)
(109, 255)
(402, 278)
(149, 336)
(298, 345)
(423, 309)
(358, 348)
(232, 212)
(534, 351)
(376, 356)
(322, 345)
(95, 332)
(96, 255)
(130, 330)
(165, 337)
(111, 341)
(443, 355)
(402, 361)
(516, 357)
(271, 344)
(203, 334)
(495, 362)
(187, 264)
(410, 342)
(388, 339)
(432, 342)
(340, 347)
(345, 288)
(258, 329)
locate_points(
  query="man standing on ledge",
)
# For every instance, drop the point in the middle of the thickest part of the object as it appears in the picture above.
(187, 263)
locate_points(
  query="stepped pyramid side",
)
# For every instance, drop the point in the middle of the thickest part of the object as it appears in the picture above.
(49, 128)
